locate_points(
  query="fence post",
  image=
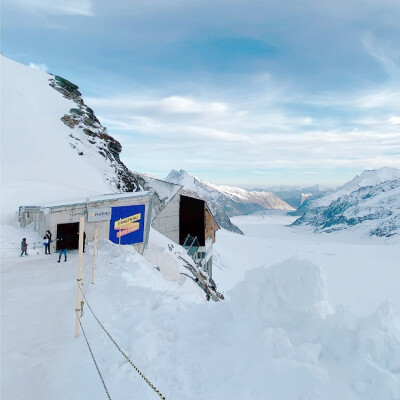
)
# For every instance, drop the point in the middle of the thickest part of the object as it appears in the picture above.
(79, 279)
(94, 252)
(119, 241)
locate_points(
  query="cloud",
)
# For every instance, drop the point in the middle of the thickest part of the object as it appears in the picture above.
(202, 85)
(54, 7)
(384, 53)
(394, 120)
(39, 67)
(238, 134)
(168, 105)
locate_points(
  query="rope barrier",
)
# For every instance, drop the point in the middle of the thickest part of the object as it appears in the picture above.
(121, 351)
(84, 279)
(94, 360)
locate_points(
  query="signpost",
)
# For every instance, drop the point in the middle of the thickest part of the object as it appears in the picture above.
(127, 224)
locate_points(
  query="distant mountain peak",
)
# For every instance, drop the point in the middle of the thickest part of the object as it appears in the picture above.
(370, 200)
(227, 201)
(373, 177)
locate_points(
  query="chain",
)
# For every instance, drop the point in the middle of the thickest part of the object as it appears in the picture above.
(122, 352)
(79, 281)
(94, 360)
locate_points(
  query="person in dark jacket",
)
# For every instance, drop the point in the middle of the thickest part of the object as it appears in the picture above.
(63, 249)
(24, 247)
(47, 241)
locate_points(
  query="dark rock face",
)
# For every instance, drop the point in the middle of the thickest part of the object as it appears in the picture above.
(70, 121)
(67, 89)
(82, 118)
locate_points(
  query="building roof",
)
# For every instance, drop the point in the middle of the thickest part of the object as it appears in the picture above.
(91, 199)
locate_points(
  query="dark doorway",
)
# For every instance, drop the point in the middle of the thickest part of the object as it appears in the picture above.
(70, 233)
(191, 219)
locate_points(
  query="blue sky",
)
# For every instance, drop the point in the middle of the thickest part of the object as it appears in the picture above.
(251, 93)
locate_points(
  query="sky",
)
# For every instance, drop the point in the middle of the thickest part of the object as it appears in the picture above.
(248, 93)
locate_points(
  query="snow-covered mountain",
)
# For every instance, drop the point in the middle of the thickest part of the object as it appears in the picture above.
(370, 202)
(296, 195)
(234, 200)
(372, 178)
(52, 139)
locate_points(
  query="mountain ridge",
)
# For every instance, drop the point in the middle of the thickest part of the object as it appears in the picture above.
(236, 201)
(369, 201)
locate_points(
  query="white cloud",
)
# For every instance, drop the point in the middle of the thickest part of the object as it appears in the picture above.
(184, 105)
(255, 128)
(167, 105)
(394, 120)
(56, 7)
(385, 56)
(39, 67)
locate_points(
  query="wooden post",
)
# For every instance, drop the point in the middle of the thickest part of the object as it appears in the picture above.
(79, 279)
(119, 241)
(94, 252)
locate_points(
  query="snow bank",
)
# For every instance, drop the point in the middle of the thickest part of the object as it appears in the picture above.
(274, 336)
(287, 325)
(284, 294)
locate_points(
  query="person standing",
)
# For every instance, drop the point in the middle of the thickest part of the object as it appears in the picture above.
(24, 247)
(63, 249)
(47, 241)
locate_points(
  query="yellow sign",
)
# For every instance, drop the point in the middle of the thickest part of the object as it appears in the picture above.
(134, 226)
(127, 222)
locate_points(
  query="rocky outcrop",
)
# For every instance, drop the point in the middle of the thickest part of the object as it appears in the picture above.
(87, 128)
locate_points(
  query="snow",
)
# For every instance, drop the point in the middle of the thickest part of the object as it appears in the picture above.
(92, 199)
(361, 271)
(220, 193)
(367, 178)
(36, 160)
(368, 211)
(305, 316)
(166, 190)
(373, 177)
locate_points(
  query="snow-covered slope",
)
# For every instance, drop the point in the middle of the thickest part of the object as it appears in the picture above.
(52, 144)
(292, 325)
(372, 178)
(226, 199)
(370, 202)
(367, 178)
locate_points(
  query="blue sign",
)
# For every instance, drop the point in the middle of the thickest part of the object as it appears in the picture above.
(127, 224)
